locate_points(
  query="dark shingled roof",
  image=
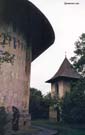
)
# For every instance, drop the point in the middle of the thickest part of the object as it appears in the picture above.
(30, 21)
(65, 71)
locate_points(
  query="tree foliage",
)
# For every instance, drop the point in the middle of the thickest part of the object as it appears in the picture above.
(79, 58)
(39, 106)
(73, 105)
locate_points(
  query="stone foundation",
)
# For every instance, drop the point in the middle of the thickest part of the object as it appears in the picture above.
(52, 114)
(24, 121)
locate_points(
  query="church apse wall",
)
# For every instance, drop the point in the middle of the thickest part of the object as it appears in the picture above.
(15, 59)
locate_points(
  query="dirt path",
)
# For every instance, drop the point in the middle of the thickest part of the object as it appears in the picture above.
(45, 131)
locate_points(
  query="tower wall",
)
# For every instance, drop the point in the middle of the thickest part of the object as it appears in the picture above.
(60, 88)
(14, 74)
(64, 86)
(53, 90)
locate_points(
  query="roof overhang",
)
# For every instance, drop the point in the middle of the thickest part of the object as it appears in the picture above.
(30, 21)
(63, 78)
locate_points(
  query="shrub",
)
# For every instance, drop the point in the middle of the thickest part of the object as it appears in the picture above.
(73, 105)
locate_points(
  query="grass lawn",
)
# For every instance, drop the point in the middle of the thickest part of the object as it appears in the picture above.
(63, 129)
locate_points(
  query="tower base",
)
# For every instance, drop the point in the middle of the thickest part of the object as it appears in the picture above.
(24, 121)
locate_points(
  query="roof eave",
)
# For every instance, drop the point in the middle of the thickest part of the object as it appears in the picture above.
(52, 80)
(30, 21)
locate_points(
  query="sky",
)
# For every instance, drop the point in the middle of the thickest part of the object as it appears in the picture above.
(68, 22)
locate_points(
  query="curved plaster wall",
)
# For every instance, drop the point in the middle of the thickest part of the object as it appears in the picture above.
(14, 74)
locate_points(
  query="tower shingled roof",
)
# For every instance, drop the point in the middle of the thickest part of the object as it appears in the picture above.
(66, 70)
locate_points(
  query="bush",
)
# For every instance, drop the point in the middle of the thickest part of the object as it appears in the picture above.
(73, 105)
(39, 106)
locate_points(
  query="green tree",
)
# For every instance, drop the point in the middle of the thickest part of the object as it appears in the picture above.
(79, 58)
(39, 106)
(73, 105)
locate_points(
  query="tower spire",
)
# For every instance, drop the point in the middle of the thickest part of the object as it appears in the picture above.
(65, 54)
